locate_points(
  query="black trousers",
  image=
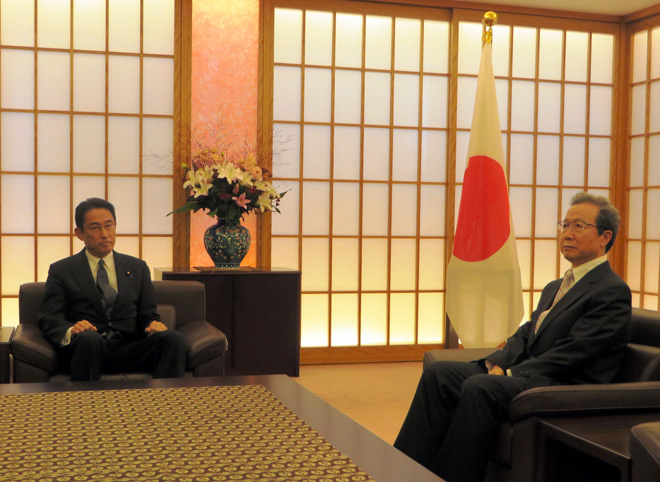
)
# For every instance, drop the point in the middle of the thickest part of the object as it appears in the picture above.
(454, 419)
(163, 353)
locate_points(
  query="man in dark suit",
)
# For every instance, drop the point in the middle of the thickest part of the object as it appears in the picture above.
(99, 311)
(577, 334)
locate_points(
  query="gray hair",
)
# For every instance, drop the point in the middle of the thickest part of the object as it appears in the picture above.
(608, 218)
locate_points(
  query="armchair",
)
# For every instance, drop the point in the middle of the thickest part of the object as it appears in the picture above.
(181, 305)
(633, 390)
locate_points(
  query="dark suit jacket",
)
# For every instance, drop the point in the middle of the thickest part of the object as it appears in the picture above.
(582, 338)
(71, 295)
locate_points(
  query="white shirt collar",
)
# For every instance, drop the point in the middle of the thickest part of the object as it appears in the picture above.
(583, 269)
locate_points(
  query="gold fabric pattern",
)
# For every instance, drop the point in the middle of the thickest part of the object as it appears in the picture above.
(175, 434)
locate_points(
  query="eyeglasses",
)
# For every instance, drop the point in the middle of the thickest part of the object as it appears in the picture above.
(578, 226)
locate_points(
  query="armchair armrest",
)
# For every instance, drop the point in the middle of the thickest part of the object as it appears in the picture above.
(29, 345)
(584, 399)
(203, 341)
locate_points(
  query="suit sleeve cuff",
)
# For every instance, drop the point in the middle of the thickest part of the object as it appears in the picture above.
(508, 372)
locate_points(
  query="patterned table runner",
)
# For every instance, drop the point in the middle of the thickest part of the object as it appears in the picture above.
(175, 434)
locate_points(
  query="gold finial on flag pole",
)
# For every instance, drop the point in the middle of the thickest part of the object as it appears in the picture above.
(490, 19)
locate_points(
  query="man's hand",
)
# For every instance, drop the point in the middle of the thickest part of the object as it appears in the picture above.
(82, 325)
(495, 370)
(154, 326)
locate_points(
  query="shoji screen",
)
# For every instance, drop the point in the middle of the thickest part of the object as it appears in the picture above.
(86, 104)
(643, 263)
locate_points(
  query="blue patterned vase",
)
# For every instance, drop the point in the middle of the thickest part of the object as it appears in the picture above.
(227, 245)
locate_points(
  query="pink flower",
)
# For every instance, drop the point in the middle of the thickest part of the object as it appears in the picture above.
(241, 201)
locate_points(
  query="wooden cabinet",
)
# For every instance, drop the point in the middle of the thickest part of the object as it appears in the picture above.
(258, 310)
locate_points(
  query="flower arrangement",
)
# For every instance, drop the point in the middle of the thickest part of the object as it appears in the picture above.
(228, 189)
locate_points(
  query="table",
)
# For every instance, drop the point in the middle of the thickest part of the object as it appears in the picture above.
(259, 312)
(588, 447)
(372, 454)
(5, 336)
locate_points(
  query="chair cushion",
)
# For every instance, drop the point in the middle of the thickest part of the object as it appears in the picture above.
(641, 363)
(203, 342)
(645, 449)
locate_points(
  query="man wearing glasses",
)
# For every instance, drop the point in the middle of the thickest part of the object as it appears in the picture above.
(99, 311)
(576, 335)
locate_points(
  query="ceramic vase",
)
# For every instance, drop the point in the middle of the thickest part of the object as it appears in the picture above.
(227, 244)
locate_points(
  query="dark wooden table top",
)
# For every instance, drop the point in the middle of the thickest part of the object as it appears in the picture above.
(372, 454)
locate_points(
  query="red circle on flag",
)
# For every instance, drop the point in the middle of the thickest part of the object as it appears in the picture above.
(483, 218)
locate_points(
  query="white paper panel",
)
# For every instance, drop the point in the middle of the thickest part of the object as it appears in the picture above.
(402, 259)
(402, 312)
(566, 196)
(434, 101)
(654, 161)
(602, 53)
(655, 50)
(124, 193)
(636, 300)
(600, 111)
(345, 264)
(651, 267)
(378, 42)
(157, 252)
(404, 204)
(89, 25)
(17, 253)
(17, 142)
(17, 79)
(88, 83)
(53, 145)
(374, 319)
(639, 41)
(348, 97)
(467, 89)
(549, 107)
(573, 164)
(431, 264)
(318, 38)
(524, 52)
(524, 249)
(404, 155)
(546, 213)
(284, 252)
(314, 320)
(318, 103)
(650, 302)
(654, 110)
(376, 98)
(286, 150)
(522, 106)
(501, 41)
(157, 202)
(124, 26)
(638, 107)
(316, 152)
(575, 105)
(376, 154)
(374, 264)
(502, 93)
(462, 141)
(315, 264)
(407, 37)
(345, 215)
(347, 153)
(520, 200)
(288, 36)
(430, 328)
(158, 86)
(123, 72)
(316, 215)
(13, 187)
(17, 23)
(634, 263)
(545, 266)
(53, 215)
(577, 45)
(348, 51)
(85, 187)
(287, 222)
(434, 156)
(599, 161)
(550, 54)
(123, 145)
(469, 47)
(49, 250)
(436, 46)
(157, 146)
(652, 218)
(547, 160)
(432, 211)
(635, 210)
(374, 203)
(286, 93)
(522, 159)
(53, 27)
(158, 36)
(344, 320)
(53, 81)
(406, 100)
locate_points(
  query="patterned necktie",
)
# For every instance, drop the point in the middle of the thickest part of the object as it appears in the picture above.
(566, 284)
(108, 293)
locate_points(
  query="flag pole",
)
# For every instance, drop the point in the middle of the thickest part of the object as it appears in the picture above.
(490, 19)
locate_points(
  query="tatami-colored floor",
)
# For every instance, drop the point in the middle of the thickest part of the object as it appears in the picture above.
(376, 395)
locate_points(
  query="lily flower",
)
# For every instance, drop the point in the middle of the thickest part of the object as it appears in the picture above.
(241, 201)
